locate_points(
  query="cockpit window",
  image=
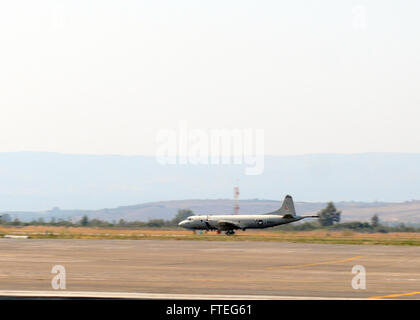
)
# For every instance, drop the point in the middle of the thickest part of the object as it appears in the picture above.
(189, 219)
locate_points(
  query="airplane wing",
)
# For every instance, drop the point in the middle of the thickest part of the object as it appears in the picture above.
(227, 225)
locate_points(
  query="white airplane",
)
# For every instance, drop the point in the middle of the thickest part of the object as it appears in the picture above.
(230, 223)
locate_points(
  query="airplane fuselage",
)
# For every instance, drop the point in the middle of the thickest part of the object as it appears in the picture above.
(216, 222)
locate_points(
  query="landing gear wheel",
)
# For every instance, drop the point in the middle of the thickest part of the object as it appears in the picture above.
(230, 232)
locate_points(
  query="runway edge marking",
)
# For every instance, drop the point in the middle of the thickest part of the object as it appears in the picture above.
(158, 296)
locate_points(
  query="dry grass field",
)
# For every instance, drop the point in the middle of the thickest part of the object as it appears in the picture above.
(319, 236)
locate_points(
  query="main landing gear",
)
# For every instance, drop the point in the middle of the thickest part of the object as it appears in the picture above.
(230, 232)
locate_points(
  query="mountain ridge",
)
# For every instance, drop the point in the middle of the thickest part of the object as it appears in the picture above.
(35, 181)
(403, 212)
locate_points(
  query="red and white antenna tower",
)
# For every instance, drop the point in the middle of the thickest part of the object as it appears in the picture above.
(236, 197)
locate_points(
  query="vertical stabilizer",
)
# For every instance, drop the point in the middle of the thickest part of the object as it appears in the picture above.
(287, 208)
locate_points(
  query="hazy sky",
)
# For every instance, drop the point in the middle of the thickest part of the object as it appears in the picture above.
(105, 76)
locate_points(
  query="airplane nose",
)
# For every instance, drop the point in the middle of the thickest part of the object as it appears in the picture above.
(182, 223)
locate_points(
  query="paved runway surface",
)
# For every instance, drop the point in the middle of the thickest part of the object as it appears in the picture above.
(198, 269)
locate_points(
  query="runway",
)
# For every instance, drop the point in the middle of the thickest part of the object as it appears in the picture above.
(166, 269)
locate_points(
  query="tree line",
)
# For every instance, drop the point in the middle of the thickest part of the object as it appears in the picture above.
(329, 218)
(85, 221)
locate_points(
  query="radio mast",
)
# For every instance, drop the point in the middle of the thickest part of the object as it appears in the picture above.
(236, 197)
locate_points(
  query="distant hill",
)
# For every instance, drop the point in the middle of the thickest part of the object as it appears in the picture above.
(379, 183)
(37, 181)
(407, 212)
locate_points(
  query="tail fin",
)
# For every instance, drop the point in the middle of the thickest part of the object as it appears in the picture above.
(287, 208)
